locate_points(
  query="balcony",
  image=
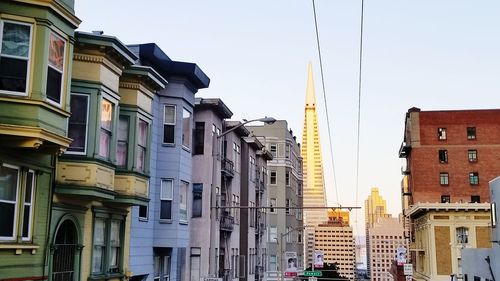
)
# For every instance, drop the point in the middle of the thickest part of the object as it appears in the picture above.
(227, 168)
(226, 222)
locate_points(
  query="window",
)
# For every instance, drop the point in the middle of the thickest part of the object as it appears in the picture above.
(493, 208)
(186, 128)
(299, 237)
(287, 151)
(55, 68)
(77, 124)
(12, 181)
(273, 149)
(287, 178)
(122, 142)
(166, 196)
(273, 234)
(197, 199)
(474, 178)
(443, 156)
(236, 157)
(475, 199)
(169, 124)
(299, 189)
(462, 235)
(272, 203)
(472, 155)
(142, 140)
(106, 128)
(443, 178)
(287, 205)
(471, 133)
(272, 263)
(14, 57)
(161, 267)
(195, 264)
(143, 212)
(183, 195)
(253, 168)
(445, 198)
(199, 137)
(107, 244)
(251, 212)
(441, 133)
(272, 179)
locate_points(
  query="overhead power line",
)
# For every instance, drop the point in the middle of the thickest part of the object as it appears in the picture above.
(326, 104)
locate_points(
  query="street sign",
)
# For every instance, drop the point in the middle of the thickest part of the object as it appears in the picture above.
(408, 269)
(290, 273)
(313, 273)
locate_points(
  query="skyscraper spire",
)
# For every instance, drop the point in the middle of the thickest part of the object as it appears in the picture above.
(314, 184)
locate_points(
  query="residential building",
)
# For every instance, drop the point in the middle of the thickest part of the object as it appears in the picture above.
(385, 237)
(375, 208)
(336, 240)
(482, 264)
(209, 116)
(160, 247)
(314, 183)
(450, 157)
(99, 177)
(284, 191)
(35, 74)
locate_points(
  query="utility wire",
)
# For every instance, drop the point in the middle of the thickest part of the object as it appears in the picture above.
(326, 104)
(359, 108)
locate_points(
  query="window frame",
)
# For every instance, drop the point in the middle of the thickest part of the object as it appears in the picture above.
(169, 124)
(441, 133)
(472, 152)
(474, 178)
(271, 177)
(63, 73)
(474, 197)
(199, 137)
(184, 185)
(442, 176)
(272, 210)
(187, 131)
(445, 199)
(32, 206)
(107, 270)
(197, 190)
(170, 199)
(101, 128)
(145, 147)
(86, 126)
(471, 133)
(30, 55)
(15, 226)
(126, 141)
(443, 156)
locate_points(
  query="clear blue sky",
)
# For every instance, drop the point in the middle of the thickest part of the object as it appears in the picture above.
(430, 54)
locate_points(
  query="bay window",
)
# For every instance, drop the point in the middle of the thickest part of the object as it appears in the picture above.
(166, 196)
(183, 194)
(122, 142)
(78, 122)
(55, 69)
(107, 244)
(15, 53)
(105, 132)
(14, 182)
(186, 128)
(141, 145)
(169, 124)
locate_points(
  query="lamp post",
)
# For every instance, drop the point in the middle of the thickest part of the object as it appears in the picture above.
(213, 199)
(281, 246)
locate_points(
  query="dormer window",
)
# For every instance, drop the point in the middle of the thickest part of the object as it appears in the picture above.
(15, 53)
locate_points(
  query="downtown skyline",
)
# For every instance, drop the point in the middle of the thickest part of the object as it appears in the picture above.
(429, 55)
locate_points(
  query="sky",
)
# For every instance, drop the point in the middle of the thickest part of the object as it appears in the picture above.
(435, 55)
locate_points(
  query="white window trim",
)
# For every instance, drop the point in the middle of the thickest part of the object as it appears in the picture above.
(190, 131)
(146, 146)
(28, 69)
(187, 201)
(86, 126)
(32, 206)
(165, 123)
(166, 198)
(16, 204)
(62, 73)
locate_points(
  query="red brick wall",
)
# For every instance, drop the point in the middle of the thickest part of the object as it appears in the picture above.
(424, 161)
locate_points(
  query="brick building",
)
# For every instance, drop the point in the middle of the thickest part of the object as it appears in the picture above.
(450, 158)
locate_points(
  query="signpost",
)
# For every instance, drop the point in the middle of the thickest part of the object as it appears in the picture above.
(313, 273)
(408, 269)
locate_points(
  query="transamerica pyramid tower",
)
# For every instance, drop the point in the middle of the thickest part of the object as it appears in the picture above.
(314, 184)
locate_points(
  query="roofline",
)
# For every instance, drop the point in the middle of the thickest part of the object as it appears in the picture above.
(147, 72)
(110, 41)
(215, 104)
(241, 131)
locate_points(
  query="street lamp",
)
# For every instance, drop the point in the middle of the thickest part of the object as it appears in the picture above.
(213, 208)
(281, 246)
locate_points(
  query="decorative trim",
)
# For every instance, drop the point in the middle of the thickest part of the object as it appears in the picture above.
(39, 135)
(37, 103)
(58, 8)
(97, 59)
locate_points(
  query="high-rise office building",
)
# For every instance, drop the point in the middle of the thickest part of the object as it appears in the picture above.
(314, 185)
(375, 208)
(336, 240)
